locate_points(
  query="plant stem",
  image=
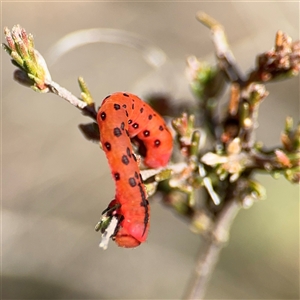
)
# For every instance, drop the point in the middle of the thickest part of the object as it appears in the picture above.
(207, 260)
(56, 89)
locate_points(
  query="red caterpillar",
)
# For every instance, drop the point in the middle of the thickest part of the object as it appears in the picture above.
(123, 116)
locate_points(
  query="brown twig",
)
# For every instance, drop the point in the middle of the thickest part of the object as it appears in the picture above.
(207, 259)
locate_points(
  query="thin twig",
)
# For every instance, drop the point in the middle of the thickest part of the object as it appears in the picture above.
(56, 89)
(225, 57)
(207, 260)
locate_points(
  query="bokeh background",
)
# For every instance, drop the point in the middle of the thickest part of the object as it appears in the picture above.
(55, 183)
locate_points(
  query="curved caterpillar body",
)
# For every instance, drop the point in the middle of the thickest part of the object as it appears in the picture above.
(123, 116)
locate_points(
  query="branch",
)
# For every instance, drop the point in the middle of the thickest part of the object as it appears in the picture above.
(86, 109)
(33, 71)
(207, 260)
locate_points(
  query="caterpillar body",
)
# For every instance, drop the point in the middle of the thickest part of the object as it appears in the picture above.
(121, 117)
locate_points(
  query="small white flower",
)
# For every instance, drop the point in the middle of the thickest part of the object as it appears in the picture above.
(212, 159)
(233, 163)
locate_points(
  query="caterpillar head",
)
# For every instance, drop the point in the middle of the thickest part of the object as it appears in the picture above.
(126, 240)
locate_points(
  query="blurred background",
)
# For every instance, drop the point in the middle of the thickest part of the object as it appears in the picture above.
(55, 183)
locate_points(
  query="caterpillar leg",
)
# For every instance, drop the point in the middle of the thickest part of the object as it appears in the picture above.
(110, 226)
(109, 223)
